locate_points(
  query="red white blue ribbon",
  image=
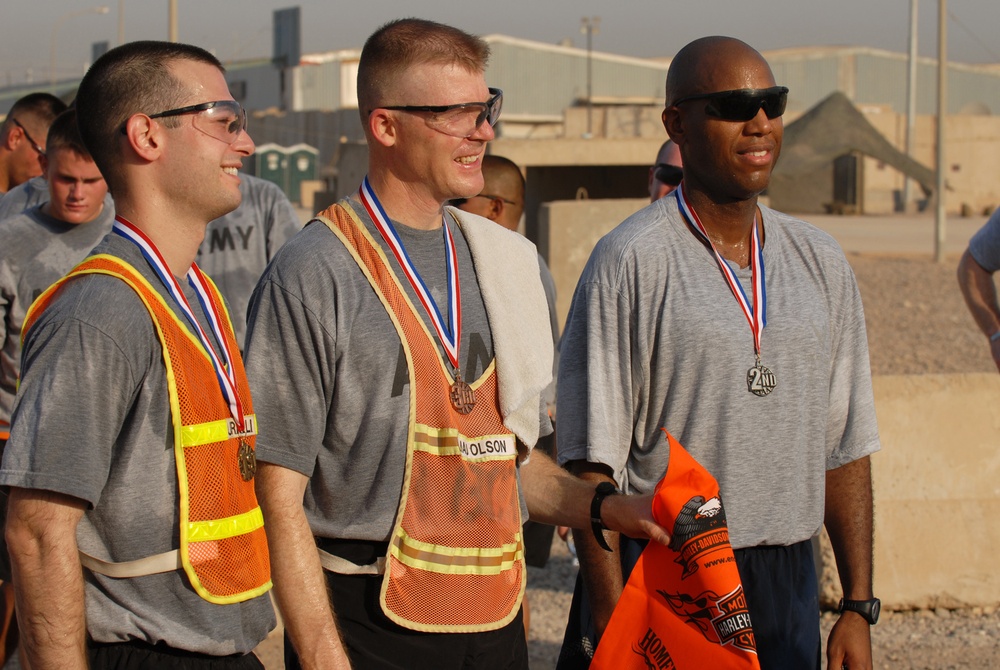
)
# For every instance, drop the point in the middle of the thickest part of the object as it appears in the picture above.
(450, 338)
(224, 371)
(757, 318)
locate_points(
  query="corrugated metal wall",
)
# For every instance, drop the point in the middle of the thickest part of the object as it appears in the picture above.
(317, 86)
(808, 80)
(541, 82)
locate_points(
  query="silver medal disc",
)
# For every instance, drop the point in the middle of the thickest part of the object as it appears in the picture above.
(760, 380)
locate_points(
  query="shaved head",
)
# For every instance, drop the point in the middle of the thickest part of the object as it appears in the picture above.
(702, 65)
(727, 157)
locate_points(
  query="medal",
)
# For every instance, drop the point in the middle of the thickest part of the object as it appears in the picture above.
(222, 361)
(462, 397)
(246, 459)
(760, 379)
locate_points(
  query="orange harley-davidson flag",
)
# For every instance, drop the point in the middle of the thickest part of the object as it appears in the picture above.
(683, 607)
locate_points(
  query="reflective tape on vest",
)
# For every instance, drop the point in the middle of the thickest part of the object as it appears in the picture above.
(217, 431)
(449, 442)
(220, 529)
(455, 560)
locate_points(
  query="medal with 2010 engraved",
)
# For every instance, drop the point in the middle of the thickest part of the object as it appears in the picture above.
(449, 332)
(760, 380)
(463, 398)
(246, 460)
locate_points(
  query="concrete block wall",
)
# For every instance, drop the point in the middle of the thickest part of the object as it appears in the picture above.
(937, 490)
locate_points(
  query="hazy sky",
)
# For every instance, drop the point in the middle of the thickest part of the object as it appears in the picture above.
(239, 29)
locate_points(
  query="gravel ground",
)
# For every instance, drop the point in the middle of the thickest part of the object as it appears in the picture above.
(917, 324)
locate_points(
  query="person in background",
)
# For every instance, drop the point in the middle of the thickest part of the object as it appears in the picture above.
(239, 245)
(22, 137)
(667, 173)
(975, 278)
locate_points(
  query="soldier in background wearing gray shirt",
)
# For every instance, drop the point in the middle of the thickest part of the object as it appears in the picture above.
(44, 243)
(975, 277)
(666, 329)
(239, 245)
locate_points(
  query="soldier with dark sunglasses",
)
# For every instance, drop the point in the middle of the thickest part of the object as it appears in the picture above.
(764, 377)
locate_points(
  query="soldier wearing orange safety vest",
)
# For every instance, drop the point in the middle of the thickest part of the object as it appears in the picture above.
(132, 446)
(397, 350)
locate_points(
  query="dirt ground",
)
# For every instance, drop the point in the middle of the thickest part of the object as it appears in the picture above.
(917, 324)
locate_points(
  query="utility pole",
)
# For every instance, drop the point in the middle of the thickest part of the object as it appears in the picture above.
(590, 26)
(911, 98)
(942, 110)
(172, 20)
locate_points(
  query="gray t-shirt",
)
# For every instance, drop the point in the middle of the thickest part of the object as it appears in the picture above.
(655, 338)
(239, 245)
(329, 375)
(23, 197)
(92, 421)
(37, 250)
(985, 244)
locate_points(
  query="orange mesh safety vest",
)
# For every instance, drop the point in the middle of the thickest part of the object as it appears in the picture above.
(683, 606)
(223, 549)
(456, 560)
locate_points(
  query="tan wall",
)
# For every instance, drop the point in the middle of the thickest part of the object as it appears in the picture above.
(972, 154)
(567, 233)
(937, 490)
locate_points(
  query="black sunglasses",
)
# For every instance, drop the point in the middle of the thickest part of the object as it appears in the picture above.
(742, 104)
(670, 175)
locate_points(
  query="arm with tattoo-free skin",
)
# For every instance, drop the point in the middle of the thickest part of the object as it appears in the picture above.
(47, 577)
(980, 296)
(558, 497)
(600, 570)
(849, 521)
(299, 584)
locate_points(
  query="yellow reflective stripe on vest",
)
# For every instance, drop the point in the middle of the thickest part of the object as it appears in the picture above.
(455, 560)
(221, 529)
(449, 442)
(216, 431)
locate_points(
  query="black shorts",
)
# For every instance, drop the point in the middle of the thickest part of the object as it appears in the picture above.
(142, 656)
(782, 595)
(374, 642)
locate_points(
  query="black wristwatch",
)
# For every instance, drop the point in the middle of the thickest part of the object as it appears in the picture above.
(869, 609)
(603, 490)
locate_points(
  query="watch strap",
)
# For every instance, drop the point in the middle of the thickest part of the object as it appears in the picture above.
(869, 609)
(603, 490)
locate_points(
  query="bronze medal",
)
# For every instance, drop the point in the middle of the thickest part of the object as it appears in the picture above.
(246, 459)
(760, 380)
(463, 398)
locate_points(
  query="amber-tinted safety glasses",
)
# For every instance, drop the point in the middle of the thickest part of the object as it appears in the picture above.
(461, 120)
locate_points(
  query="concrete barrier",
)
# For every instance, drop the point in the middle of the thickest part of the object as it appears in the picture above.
(937, 490)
